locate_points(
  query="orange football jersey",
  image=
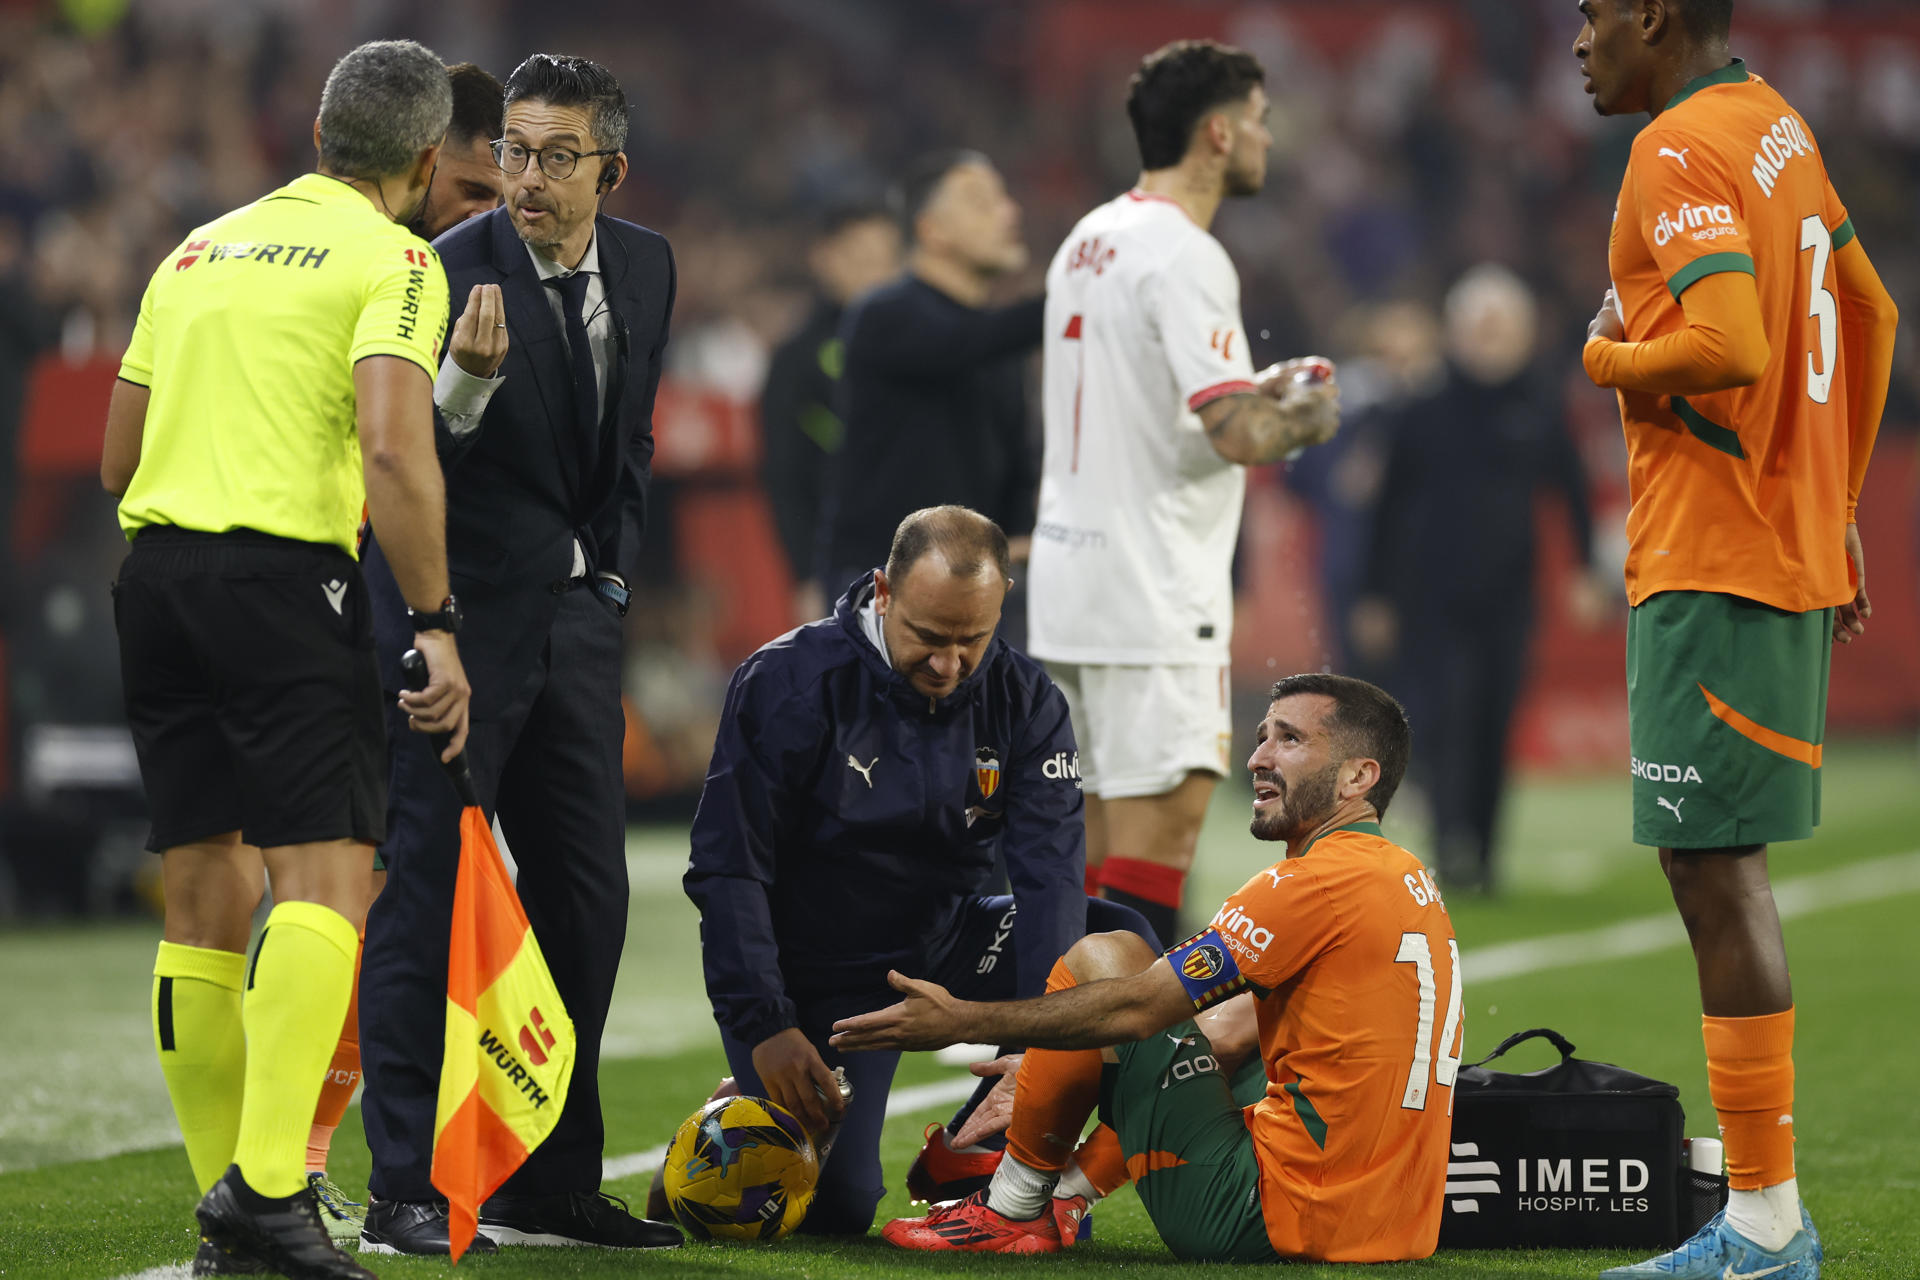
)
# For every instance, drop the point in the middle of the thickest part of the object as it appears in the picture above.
(1741, 491)
(1360, 1029)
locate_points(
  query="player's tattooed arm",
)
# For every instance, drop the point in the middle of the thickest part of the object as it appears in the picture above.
(1252, 429)
(1091, 1015)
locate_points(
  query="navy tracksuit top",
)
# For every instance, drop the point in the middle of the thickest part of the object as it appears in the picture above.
(847, 818)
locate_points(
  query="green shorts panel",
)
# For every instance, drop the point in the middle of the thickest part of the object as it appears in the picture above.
(1727, 709)
(1169, 1102)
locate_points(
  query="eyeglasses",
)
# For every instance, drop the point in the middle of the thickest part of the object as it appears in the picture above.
(557, 163)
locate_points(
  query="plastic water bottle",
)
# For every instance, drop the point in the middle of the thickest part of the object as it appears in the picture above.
(1706, 1155)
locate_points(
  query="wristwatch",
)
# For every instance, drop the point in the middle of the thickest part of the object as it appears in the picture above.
(611, 588)
(446, 618)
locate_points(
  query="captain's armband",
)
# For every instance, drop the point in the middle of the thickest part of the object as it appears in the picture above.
(1206, 969)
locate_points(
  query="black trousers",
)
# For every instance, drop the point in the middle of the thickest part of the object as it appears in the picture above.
(548, 767)
(1464, 675)
(978, 965)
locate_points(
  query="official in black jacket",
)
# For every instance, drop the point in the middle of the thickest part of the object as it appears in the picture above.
(934, 393)
(560, 322)
(866, 767)
(1450, 568)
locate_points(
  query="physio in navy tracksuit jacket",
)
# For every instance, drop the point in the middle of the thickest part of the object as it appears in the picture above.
(867, 765)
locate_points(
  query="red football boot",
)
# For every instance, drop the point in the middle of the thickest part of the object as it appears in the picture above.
(969, 1226)
(940, 1173)
(1072, 1219)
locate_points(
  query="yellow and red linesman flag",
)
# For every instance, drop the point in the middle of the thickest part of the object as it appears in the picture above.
(510, 1045)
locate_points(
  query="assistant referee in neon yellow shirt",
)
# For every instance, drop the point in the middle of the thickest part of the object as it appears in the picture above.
(280, 379)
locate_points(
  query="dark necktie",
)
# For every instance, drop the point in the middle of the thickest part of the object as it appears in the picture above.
(586, 389)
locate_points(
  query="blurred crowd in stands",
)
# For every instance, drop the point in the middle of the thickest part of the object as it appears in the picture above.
(1414, 142)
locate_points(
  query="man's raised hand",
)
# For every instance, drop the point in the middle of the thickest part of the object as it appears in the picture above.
(479, 341)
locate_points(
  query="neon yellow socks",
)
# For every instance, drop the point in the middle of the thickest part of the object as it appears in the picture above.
(203, 1050)
(295, 1000)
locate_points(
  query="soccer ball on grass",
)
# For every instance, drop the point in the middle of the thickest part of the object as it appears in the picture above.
(740, 1169)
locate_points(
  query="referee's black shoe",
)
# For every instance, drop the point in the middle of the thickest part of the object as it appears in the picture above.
(573, 1217)
(211, 1260)
(417, 1227)
(281, 1235)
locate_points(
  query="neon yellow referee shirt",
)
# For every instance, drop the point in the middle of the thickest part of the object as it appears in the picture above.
(247, 339)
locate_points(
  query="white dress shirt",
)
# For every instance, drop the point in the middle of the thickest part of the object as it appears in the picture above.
(463, 398)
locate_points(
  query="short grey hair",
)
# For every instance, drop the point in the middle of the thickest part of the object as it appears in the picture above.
(385, 102)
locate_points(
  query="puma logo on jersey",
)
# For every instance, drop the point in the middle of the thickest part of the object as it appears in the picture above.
(864, 770)
(336, 595)
(1273, 874)
(1680, 155)
(1673, 805)
(1779, 145)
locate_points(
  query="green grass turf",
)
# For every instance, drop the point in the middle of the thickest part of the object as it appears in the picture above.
(81, 1080)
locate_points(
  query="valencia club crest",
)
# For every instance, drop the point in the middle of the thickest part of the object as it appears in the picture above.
(986, 771)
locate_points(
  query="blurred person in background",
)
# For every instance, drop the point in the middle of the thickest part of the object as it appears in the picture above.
(547, 393)
(1449, 576)
(279, 381)
(1153, 413)
(468, 182)
(858, 248)
(934, 394)
(27, 327)
(1397, 355)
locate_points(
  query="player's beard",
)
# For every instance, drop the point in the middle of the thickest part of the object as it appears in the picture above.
(1245, 180)
(1304, 805)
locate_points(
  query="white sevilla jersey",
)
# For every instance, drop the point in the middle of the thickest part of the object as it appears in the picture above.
(1133, 551)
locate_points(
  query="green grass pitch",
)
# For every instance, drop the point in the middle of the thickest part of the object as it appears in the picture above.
(93, 1183)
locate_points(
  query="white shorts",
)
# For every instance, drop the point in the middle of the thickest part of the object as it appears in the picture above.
(1142, 730)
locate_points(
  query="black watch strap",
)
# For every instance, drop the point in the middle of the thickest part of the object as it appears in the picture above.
(446, 618)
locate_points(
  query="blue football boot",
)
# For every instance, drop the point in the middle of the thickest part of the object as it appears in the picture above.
(1719, 1252)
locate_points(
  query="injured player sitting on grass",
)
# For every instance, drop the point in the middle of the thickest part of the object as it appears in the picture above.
(1304, 1112)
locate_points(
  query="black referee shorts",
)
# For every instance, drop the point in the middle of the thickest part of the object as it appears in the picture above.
(251, 688)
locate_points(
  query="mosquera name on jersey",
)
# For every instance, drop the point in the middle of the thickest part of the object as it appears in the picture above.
(1133, 549)
(1741, 491)
(246, 340)
(1350, 947)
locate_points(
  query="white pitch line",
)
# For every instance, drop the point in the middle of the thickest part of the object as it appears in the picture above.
(1801, 895)
(178, 1271)
(900, 1102)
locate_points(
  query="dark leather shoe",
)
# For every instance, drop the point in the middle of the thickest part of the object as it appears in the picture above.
(211, 1260)
(573, 1217)
(412, 1226)
(282, 1235)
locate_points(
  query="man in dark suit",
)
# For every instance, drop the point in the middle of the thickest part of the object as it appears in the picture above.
(547, 396)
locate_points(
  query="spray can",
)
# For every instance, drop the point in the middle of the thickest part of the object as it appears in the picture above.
(823, 1145)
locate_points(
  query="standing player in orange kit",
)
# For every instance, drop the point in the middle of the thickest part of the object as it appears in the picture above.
(1751, 343)
(1305, 1113)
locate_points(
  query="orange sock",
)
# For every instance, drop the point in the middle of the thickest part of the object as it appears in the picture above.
(1750, 1075)
(1100, 1161)
(343, 1077)
(1054, 1093)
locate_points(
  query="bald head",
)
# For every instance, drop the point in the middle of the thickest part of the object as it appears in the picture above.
(967, 541)
(939, 597)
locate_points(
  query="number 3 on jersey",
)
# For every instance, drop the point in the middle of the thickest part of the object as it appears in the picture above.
(1439, 1061)
(1815, 236)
